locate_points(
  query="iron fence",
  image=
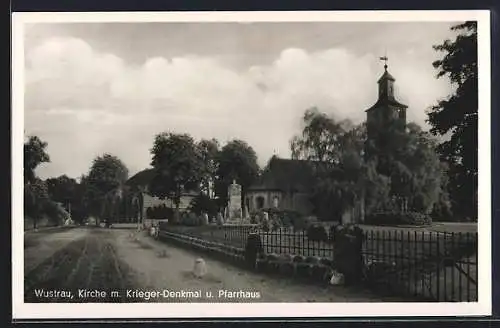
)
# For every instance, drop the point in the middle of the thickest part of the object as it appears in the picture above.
(427, 265)
(430, 265)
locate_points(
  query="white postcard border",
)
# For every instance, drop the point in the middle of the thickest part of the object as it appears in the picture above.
(21, 310)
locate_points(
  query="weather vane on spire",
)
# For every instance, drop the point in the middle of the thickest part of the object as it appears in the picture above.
(385, 59)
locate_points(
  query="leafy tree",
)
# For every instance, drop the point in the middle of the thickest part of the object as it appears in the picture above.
(113, 203)
(178, 167)
(106, 176)
(237, 161)
(335, 150)
(34, 155)
(56, 213)
(35, 198)
(203, 204)
(35, 190)
(456, 117)
(320, 137)
(62, 189)
(79, 210)
(69, 193)
(406, 169)
(209, 150)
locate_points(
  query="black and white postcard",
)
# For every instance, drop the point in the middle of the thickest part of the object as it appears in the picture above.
(251, 164)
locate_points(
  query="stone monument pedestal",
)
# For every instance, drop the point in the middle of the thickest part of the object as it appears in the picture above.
(234, 209)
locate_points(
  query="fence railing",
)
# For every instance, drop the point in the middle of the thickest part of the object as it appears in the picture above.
(427, 265)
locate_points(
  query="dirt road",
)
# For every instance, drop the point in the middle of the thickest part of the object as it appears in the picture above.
(88, 264)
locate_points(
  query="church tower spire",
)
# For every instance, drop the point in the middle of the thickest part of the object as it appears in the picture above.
(387, 113)
(386, 83)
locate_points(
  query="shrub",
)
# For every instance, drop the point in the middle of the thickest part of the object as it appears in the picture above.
(292, 215)
(286, 221)
(55, 212)
(317, 233)
(333, 231)
(275, 223)
(203, 204)
(266, 225)
(159, 212)
(280, 218)
(219, 219)
(395, 218)
(300, 223)
(192, 220)
(163, 225)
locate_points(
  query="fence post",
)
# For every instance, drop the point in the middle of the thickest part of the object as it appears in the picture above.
(253, 248)
(348, 254)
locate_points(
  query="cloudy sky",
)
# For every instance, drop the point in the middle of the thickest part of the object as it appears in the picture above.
(92, 88)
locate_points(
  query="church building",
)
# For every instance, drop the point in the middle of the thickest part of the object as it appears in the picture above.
(287, 184)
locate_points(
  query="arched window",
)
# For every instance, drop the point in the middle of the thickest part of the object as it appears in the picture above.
(260, 202)
(276, 202)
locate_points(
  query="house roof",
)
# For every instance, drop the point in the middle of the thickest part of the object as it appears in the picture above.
(287, 174)
(141, 178)
(144, 177)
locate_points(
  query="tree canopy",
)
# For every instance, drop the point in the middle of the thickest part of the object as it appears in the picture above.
(62, 189)
(35, 198)
(209, 151)
(107, 174)
(409, 166)
(237, 161)
(320, 138)
(178, 166)
(455, 117)
(34, 155)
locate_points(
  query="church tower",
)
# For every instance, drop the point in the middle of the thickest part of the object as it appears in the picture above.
(387, 114)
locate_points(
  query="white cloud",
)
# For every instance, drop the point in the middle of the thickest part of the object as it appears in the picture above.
(84, 103)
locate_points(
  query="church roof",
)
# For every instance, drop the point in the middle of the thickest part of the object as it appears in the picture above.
(386, 76)
(387, 102)
(141, 178)
(287, 174)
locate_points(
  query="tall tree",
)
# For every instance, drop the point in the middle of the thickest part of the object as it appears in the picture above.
(410, 167)
(107, 173)
(178, 167)
(68, 192)
(34, 155)
(62, 189)
(209, 150)
(456, 116)
(35, 190)
(319, 140)
(237, 161)
(79, 210)
(35, 199)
